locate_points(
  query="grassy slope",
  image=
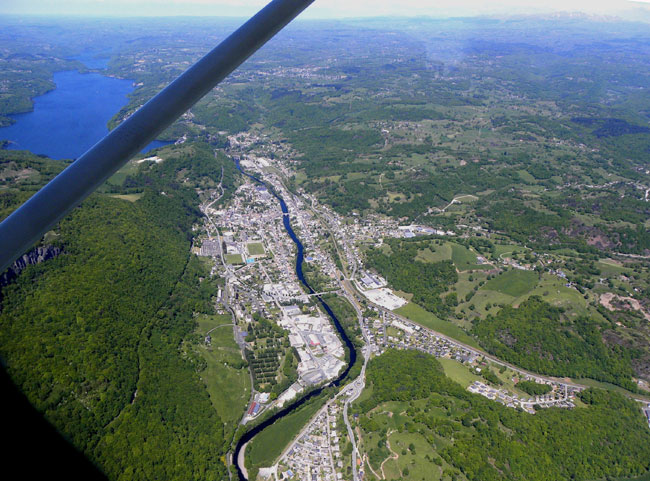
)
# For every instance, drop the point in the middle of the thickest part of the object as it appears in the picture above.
(419, 315)
(513, 282)
(268, 445)
(106, 369)
(493, 442)
(465, 259)
(440, 253)
(459, 372)
(228, 385)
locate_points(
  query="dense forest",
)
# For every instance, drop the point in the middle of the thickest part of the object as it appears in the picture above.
(470, 437)
(426, 281)
(536, 336)
(94, 337)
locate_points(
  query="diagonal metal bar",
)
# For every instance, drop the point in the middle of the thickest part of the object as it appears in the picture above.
(28, 223)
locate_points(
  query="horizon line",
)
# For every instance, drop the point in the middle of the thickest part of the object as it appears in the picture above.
(502, 15)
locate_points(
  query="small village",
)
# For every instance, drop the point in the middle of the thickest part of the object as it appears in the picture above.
(393, 331)
(316, 454)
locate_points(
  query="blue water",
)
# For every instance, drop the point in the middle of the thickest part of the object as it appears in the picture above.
(70, 119)
(92, 60)
(352, 352)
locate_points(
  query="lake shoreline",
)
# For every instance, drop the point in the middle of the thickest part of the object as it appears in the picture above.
(68, 119)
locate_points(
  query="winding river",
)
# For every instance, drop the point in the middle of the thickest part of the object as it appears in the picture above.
(248, 436)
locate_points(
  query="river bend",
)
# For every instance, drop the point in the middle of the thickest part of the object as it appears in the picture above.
(249, 435)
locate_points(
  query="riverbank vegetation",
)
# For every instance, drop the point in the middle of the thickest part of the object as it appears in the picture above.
(267, 446)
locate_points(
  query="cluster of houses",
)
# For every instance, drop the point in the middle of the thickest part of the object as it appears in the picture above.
(316, 455)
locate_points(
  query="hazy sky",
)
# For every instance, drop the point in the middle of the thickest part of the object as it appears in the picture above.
(320, 9)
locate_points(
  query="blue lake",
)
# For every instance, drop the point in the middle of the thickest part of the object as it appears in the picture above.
(93, 60)
(70, 119)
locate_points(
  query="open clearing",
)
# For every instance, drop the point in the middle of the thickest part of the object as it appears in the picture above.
(458, 372)
(514, 283)
(464, 259)
(226, 379)
(129, 197)
(435, 253)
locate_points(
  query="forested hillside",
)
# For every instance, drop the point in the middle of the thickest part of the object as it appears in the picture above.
(426, 281)
(521, 142)
(441, 431)
(94, 337)
(536, 336)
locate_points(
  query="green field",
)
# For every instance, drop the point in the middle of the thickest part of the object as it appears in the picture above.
(415, 461)
(514, 282)
(483, 298)
(226, 379)
(464, 259)
(421, 316)
(550, 288)
(500, 249)
(458, 372)
(234, 259)
(610, 268)
(207, 323)
(129, 197)
(464, 285)
(268, 445)
(438, 254)
(393, 331)
(553, 290)
(526, 176)
(255, 249)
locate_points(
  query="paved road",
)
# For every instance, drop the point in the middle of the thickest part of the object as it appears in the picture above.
(351, 291)
(353, 390)
(356, 387)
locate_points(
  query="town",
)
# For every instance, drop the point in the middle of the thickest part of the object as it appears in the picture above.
(253, 252)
